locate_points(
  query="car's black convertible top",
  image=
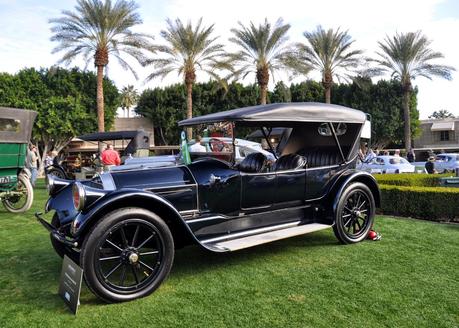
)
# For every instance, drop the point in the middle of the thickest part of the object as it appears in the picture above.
(286, 112)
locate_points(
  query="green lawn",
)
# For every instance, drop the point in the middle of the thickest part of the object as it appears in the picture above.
(409, 279)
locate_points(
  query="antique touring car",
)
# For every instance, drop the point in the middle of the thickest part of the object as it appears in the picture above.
(16, 192)
(124, 226)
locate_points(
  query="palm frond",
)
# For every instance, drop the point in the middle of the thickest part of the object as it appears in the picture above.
(101, 25)
(260, 46)
(329, 52)
(408, 55)
(188, 48)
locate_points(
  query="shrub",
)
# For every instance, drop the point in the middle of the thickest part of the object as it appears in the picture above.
(407, 179)
(431, 203)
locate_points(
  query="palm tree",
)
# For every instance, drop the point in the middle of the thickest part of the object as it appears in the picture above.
(188, 49)
(329, 52)
(97, 30)
(263, 51)
(407, 56)
(129, 97)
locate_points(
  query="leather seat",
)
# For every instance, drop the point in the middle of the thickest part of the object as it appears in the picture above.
(290, 162)
(323, 157)
(253, 163)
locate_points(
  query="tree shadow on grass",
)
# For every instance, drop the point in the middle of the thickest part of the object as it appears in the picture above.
(199, 260)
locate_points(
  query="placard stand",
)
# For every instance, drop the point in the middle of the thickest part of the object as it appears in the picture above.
(70, 283)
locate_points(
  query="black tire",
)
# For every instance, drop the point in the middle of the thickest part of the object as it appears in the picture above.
(354, 214)
(59, 247)
(57, 173)
(21, 203)
(127, 255)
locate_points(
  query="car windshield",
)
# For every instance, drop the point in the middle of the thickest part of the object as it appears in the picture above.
(397, 160)
(211, 140)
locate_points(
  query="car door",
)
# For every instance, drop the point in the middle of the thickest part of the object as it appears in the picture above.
(440, 162)
(374, 165)
(218, 187)
(290, 189)
(257, 190)
(449, 163)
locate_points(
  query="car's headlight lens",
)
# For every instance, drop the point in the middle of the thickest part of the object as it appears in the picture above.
(78, 196)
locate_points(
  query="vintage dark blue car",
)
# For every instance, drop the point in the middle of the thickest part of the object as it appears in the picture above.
(123, 226)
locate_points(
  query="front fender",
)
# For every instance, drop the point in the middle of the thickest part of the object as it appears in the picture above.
(129, 197)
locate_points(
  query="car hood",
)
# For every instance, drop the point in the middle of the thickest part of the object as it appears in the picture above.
(164, 175)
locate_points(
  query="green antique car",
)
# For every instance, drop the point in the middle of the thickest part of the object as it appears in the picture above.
(16, 192)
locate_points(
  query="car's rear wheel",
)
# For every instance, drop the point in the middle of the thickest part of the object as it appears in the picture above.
(127, 255)
(354, 214)
(59, 247)
(21, 198)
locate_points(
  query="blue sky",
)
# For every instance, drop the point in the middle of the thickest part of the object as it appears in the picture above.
(24, 32)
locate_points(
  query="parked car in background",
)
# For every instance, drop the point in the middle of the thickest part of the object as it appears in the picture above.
(85, 164)
(243, 147)
(16, 192)
(446, 162)
(386, 164)
(124, 226)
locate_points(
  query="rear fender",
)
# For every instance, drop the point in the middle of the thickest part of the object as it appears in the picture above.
(134, 198)
(345, 180)
(26, 172)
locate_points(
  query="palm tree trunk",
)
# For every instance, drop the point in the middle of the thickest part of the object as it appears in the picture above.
(100, 98)
(263, 94)
(406, 117)
(328, 95)
(189, 107)
(327, 82)
(100, 103)
(263, 80)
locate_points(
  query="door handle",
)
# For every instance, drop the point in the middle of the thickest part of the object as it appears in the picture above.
(214, 179)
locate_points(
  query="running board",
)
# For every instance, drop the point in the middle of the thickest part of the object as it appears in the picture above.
(262, 238)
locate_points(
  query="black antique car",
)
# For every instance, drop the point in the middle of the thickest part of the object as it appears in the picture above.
(124, 226)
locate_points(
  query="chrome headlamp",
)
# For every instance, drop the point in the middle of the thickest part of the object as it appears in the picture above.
(55, 184)
(78, 196)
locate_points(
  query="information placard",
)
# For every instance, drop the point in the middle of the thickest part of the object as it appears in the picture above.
(70, 283)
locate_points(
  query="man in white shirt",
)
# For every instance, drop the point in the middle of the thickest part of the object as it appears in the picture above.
(197, 147)
(370, 155)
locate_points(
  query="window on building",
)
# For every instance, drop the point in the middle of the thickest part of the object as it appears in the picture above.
(444, 135)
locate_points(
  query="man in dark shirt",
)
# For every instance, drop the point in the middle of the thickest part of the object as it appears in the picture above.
(430, 165)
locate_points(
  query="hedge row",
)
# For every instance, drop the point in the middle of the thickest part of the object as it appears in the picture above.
(430, 203)
(407, 179)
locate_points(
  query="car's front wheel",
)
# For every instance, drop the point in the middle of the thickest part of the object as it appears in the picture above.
(127, 254)
(354, 214)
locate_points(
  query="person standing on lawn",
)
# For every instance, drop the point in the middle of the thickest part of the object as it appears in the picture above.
(411, 157)
(110, 158)
(430, 165)
(31, 163)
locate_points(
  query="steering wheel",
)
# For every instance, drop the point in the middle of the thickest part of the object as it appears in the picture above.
(216, 145)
